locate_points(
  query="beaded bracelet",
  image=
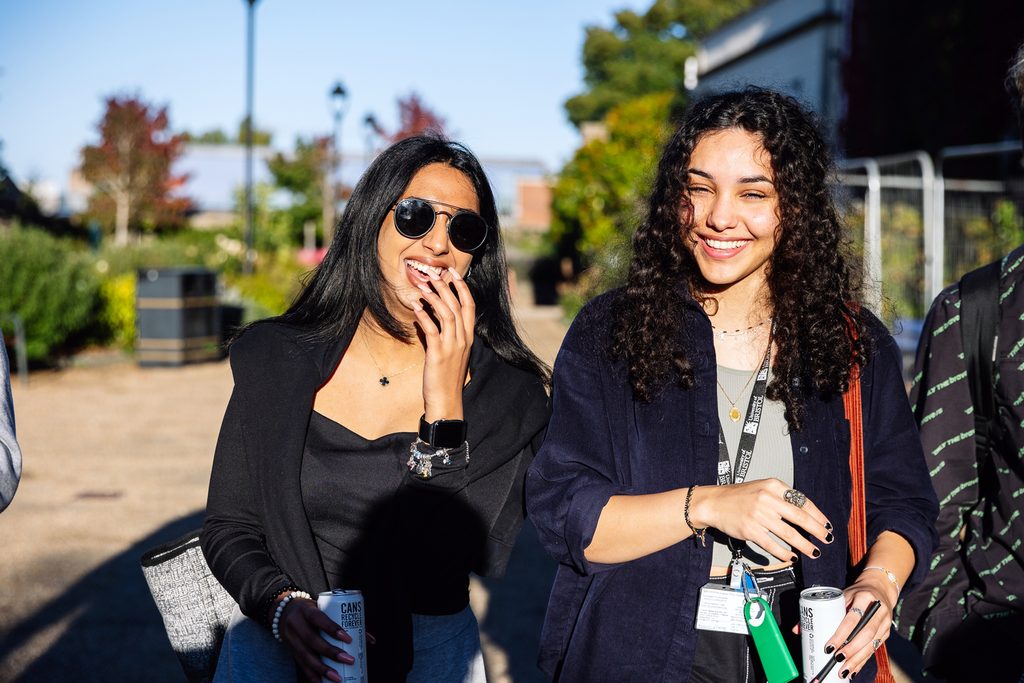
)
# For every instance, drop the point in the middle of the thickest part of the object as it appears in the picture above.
(274, 625)
(698, 534)
(272, 598)
(421, 457)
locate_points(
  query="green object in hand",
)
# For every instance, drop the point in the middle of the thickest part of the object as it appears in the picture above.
(771, 648)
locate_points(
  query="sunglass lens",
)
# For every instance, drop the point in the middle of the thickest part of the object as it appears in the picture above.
(413, 217)
(467, 231)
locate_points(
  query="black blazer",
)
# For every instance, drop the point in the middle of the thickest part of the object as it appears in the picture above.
(256, 538)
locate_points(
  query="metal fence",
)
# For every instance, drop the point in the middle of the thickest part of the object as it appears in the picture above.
(921, 223)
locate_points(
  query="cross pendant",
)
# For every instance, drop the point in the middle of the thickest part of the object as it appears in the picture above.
(384, 381)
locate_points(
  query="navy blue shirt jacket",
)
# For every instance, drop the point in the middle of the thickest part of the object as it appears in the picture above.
(634, 621)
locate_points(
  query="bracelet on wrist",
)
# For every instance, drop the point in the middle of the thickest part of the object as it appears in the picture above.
(422, 457)
(269, 603)
(698, 534)
(889, 575)
(276, 621)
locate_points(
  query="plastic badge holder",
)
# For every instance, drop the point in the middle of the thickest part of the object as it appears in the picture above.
(771, 648)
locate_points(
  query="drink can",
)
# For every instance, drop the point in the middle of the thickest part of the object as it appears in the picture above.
(821, 610)
(347, 610)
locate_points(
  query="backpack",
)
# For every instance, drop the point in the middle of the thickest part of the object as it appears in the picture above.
(979, 331)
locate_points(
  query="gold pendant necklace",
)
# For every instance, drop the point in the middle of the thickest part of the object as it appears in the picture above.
(384, 376)
(734, 412)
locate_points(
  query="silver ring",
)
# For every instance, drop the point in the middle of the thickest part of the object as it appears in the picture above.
(858, 611)
(876, 643)
(794, 497)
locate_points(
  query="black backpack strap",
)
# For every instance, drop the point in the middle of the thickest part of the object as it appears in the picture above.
(979, 329)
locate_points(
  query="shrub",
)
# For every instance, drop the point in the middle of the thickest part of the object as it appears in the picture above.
(117, 309)
(52, 287)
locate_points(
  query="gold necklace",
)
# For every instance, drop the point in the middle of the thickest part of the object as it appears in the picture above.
(734, 412)
(384, 376)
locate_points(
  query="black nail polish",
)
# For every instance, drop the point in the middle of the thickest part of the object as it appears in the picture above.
(840, 657)
(816, 553)
(853, 675)
(845, 673)
(828, 526)
(829, 538)
(794, 558)
(829, 649)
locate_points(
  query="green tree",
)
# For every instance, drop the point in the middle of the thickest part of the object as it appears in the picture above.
(217, 136)
(214, 136)
(598, 198)
(301, 174)
(260, 138)
(644, 53)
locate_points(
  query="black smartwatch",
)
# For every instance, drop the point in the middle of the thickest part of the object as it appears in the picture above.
(442, 433)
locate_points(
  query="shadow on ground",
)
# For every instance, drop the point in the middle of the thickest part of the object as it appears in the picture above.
(515, 612)
(114, 632)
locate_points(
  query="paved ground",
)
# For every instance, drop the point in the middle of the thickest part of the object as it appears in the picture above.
(117, 460)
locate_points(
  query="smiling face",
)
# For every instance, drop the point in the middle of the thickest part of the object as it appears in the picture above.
(735, 210)
(406, 262)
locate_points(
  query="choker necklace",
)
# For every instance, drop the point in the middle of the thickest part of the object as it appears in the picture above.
(722, 334)
(384, 377)
(734, 412)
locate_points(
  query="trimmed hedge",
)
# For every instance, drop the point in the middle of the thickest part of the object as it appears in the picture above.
(54, 289)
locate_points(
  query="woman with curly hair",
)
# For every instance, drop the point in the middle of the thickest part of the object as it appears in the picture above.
(652, 489)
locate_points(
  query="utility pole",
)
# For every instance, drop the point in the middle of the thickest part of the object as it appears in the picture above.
(250, 249)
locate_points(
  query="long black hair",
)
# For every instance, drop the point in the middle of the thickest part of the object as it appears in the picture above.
(349, 280)
(812, 285)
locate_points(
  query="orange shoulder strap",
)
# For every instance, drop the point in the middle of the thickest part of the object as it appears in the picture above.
(858, 517)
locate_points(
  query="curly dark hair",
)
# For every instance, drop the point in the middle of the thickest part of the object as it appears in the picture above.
(811, 282)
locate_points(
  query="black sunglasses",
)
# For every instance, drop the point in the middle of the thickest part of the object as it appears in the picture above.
(414, 218)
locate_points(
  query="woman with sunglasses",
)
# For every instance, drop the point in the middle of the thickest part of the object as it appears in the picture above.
(698, 438)
(378, 434)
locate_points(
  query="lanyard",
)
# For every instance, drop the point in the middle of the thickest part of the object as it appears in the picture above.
(727, 474)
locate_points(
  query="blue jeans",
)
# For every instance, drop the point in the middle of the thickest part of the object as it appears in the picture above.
(445, 648)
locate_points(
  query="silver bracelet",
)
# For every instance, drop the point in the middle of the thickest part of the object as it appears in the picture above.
(421, 457)
(889, 575)
(275, 624)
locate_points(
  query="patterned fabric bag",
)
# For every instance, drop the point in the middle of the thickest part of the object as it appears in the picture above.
(194, 606)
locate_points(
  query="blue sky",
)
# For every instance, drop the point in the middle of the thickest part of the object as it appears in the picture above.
(497, 71)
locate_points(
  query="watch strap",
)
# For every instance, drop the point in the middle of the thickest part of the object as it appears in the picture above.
(442, 433)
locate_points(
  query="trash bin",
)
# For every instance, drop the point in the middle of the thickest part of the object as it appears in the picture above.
(178, 317)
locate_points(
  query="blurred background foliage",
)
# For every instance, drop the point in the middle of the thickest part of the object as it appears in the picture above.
(73, 281)
(633, 72)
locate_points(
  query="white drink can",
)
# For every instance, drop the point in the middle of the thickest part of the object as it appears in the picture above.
(347, 610)
(821, 610)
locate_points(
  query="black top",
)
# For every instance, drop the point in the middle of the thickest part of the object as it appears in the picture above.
(353, 494)
(256, 537)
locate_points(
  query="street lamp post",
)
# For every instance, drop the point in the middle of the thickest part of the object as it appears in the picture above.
(372, 131)
(338, 100)
(250, 248)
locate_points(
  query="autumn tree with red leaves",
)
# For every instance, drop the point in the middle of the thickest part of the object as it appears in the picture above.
(130, 169)
(416, 118)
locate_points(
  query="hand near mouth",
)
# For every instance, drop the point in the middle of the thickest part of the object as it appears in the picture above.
(449, 338)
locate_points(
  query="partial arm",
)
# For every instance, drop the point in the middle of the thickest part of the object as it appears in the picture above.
(10, 452)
